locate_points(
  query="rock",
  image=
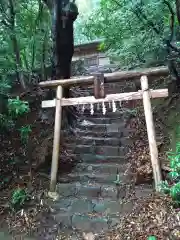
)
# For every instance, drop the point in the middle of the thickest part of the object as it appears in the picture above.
(88, 236)
(53, 195)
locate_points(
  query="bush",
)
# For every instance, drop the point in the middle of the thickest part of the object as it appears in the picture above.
(17, 107)
(172, 185)
(18, 199)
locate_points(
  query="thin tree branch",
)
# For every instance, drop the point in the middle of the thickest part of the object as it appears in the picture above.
(15, 44)
(170, 47)
(49, 4)
(173, 47)
(172, 28)
(5, 23)
(3, 12)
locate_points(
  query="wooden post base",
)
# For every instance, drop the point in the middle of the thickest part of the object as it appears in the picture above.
(56, 143)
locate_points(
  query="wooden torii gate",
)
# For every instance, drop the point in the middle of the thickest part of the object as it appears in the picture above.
(99, 97)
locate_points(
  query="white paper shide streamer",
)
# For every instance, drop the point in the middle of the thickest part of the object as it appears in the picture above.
(103, 108)
(114, 106)
(92, 109)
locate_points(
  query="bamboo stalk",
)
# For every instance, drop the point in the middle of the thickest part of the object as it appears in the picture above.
(151, 132)
(56, 142)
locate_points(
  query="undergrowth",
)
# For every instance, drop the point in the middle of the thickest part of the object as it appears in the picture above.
(11, 110)
(17, 108)
(172, 185)
(18, 199)
(24, 133)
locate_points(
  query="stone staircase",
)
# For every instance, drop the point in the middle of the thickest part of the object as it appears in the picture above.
(96, 194)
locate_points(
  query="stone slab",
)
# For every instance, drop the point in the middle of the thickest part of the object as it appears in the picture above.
(90, 223)
(101, 150)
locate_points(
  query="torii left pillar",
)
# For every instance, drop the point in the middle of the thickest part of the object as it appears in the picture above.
(56, 142)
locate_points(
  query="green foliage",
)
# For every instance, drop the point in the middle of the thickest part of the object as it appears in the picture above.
(4, 86)
(118, 180)
(152, 238)
(24, 132)
(19, 197)
(17, 107)
(133, 112)
(165, 187)
(86, 9)
(133, 40)
(33, 33)
(127, 37)
(173, 187)
(102, 46)
(175, 192)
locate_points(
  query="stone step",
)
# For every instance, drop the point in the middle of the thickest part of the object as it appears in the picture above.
(90, 222)
(105, 191)
(91, 216)
(106, 168)
(91, 190)
(120, 134)
(97, 158)
(79, 205)
(104, 150)
(113, 127)
(96, 191)
(6, 236)
(105, 120)
(95, 177)
(101, 141)
(84, 205)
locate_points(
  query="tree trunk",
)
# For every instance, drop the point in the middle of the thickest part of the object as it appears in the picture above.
(43, 63)
(19, 73)
(178, 10)
(63, 41)
(16, 46)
